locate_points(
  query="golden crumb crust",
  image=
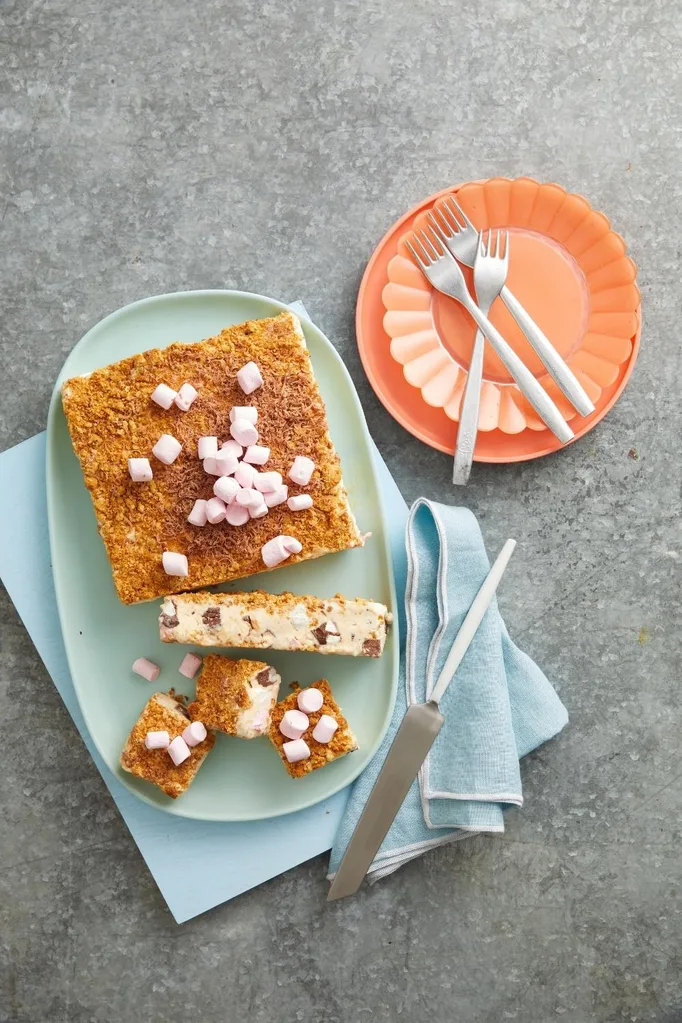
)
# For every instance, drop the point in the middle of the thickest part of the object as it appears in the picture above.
(223, 690)
(163, 713)
(111, 419)
(343, 741)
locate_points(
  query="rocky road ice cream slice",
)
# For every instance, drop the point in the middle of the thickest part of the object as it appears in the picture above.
(281, 621)
(163, 713)
(313, 752)
(236, 697)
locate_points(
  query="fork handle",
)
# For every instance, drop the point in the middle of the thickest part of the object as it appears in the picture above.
(468, 415)
(528, 385)
(548, 354)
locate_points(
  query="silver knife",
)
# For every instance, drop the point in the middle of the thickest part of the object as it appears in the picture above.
(414, 739)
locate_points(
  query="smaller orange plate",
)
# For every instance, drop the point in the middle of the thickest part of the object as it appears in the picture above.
(570, 271)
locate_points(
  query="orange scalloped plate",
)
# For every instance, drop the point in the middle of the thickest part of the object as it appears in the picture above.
(570, 271)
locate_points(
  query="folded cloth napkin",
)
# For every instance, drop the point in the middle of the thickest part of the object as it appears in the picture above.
(498, 707)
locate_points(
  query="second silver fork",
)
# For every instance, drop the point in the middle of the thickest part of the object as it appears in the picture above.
(490, 274)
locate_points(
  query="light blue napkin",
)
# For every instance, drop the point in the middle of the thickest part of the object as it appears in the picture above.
(498, 707)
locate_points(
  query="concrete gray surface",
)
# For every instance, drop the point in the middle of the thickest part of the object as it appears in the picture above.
(150, 147)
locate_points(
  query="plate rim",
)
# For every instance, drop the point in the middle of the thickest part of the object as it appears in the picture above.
(385, 397)
(174, 807)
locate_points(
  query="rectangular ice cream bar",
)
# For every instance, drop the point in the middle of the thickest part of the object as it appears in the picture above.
(112, 418)
(235, 697)
(320, 753)
(283, 621)
(163, 712)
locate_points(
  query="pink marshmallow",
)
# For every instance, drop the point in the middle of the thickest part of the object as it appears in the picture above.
(245, 475)
(164, 396)
(178, 750)
(185, 396)
(293, 724)
(301, 470)
(140, 470)
(256, 454)
(244, 432)
(300, 502)
(195, 733)
(267, 482)
(291, 544)
(296, 750)
(258, 511)
(207, 447)
(189, 665)
(309, 700)
(232, 448)
(249, 498)
(244, 412)
(157, 740)
(167, 449)
(226, 489)
(274, 552)
(175, 564)
(147, 669)
(249, 378)
(216, 511)
(198, 516)
(276, 497)
(223, 464)
(325, 728)
(237, 514)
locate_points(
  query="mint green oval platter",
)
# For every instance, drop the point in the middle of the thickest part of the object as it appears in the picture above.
(240, 779)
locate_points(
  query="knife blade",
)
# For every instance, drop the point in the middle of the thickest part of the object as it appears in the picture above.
(414, 738)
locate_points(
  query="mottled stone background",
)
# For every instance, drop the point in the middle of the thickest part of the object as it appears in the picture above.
(150, 147)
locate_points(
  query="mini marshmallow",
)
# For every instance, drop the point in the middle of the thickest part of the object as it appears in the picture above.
(164, 396)
(178, 750)
(207, 447)
(232, 448)
(296, 750)
(274, 552)
(198, 516)
(291, 544)
(223, 464)
(249, 378)
(293, 724)
(309, 700)
(175, 564)
(244, 432)
(300, 502)
(185, 396)
(301, 470)
(195, 733)
(325, 728)
(245, 474)
(157, 740)
(216, 511)
(226, 489)
(147, 669)
(276, 497)
(249, 498)
(267, 482)
(167, 449)
(189, 665)
(258, 511)
(256, 454)
(140, 470)
(237, 514)
(244, 412)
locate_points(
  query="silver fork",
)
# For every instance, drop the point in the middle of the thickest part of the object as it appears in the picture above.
(441, 268)
(490, 274)
(461, 238)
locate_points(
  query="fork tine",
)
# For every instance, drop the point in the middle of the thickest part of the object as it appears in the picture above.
(438, 221)
(429, 244)
(450, 215)
(418, 259)
(496, 245)
(461, 212)
(481, 246)
(506, 247)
